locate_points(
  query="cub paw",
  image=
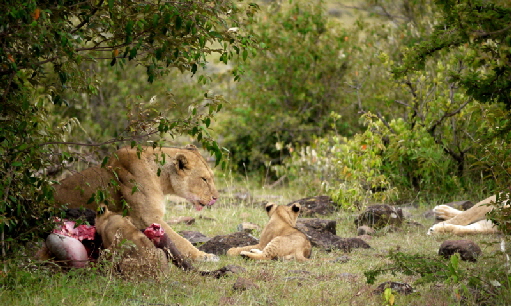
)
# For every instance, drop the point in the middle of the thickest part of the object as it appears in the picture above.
(233, 252)
(256, 251)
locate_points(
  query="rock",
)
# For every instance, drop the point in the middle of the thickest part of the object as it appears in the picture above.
(401, 288)
(248, 227)
(365, 237)
(194, 237)
(379, 216)
(412, 223)
(182, 219)
(316, 224)
(342, 259)
(430, 214)
(235, 269)
(320, 205)
(468, 250)
(365, 230)
(242, 284)
(219, 245)
(320, 235)
(460, 205)
(224, 271)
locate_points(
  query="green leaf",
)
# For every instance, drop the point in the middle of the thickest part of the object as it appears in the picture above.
(105, 161)
(134, 189)
(179, 22)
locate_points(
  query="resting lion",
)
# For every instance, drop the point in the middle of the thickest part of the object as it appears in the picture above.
(471, 221)
(279, 238)
(136, 182)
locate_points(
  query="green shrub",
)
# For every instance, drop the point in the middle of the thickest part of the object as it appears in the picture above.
(289, 89)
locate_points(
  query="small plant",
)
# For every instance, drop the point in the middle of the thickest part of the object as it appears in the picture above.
(389, 297)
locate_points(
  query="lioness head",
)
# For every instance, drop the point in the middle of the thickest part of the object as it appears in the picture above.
(194, 178)
(289, 214)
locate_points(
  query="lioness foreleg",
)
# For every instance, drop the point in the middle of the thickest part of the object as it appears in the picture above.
(445, 212)
(480, 227)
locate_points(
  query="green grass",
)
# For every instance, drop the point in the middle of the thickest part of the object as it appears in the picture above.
(320, 281)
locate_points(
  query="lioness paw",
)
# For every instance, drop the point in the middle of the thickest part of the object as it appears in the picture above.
(440, 228)
(445, 212)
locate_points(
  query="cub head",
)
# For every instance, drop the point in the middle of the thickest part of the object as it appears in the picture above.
(288, 214)
(193, 178)
(102, 215)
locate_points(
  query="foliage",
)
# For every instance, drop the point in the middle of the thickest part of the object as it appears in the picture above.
(487, 287)
(483, 30)
(424, 132)
(289, 89)
(350, 169)
(51, 52)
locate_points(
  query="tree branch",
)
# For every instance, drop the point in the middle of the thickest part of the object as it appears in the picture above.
(86, 20)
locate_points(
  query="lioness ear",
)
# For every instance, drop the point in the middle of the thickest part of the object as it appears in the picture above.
(181, 162)
(295, 207)
(268, 207)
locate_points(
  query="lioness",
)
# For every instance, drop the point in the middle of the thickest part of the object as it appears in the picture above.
(471, 221)
(279, 238)
(139, 181)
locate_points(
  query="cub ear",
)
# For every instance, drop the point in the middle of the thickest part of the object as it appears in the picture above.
(269, 206)
(296, 207)
(101, 210)
(181, 162)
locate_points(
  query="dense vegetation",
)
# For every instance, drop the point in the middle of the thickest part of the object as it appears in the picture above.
(56, 98)
(411, 100)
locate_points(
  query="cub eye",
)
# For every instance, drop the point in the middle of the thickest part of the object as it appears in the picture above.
(205, 179)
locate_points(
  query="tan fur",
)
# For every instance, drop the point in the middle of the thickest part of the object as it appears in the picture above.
(131, 177)
(471, 221)
(279, 238)
(139, 259)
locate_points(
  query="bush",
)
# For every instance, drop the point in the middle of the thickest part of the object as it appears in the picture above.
(289, 89)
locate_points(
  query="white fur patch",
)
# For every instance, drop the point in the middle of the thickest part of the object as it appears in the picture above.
(483, 226)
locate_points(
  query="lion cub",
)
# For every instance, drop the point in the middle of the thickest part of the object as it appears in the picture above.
(280, 238)
(141, 259)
